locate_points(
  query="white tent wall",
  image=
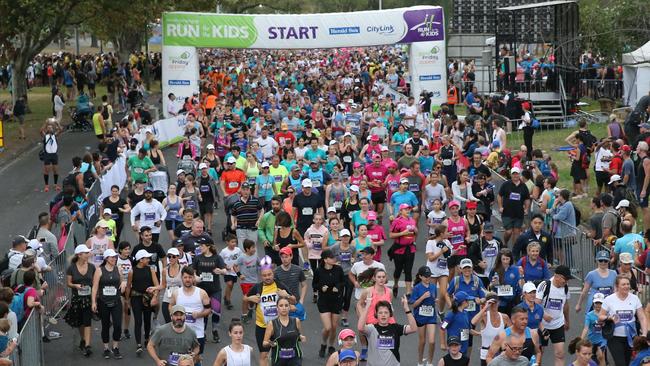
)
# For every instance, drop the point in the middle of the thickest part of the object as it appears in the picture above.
(636, 74)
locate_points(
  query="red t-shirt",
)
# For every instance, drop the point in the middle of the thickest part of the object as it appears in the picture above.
(377, 233)
(616, 164)
(30, 292)
(376, 174)
(232, 180)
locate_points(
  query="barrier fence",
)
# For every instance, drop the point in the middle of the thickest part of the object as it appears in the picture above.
(29, 348)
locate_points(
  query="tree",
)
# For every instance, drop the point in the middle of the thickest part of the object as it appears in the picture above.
(26, 28)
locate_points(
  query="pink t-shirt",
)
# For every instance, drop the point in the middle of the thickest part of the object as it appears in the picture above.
(376, 174)
(30, 292)
(397, 226)
(377, 233)
(376, 297)
(354, 181)
(314, 239)
(392, 185)
(457, 236)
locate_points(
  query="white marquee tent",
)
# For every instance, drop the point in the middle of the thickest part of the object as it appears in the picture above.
(636, 74)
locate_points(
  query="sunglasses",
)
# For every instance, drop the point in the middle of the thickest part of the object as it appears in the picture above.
(172, 256)
(603, 261)
(291, 192)
(515, 349)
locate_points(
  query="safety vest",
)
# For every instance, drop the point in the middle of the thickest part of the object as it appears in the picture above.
(452, 95)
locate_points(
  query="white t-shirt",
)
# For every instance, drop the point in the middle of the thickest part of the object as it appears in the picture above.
(602, 154)
(625, 309)
(268, 146)
(554, 306)
(439, 266)
(230, 257)
(436, 217)
(360, 267)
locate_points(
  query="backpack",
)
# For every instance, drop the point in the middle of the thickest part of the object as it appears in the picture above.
(18, 302)
(457, 280)
(4, 263)
(89, 178)
(589, 140)
(33, 232)
(547, 291)
(71, 180)
(523, 262)
(105, 114)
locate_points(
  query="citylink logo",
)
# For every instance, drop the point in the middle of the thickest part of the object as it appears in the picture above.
(381, 29)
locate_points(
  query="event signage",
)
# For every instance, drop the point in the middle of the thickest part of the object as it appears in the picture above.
(183, 32)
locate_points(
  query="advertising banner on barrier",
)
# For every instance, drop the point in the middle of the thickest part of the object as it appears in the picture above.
(427, 65)
(183, 32)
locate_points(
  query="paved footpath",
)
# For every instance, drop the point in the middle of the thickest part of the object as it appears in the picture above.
(22, 200)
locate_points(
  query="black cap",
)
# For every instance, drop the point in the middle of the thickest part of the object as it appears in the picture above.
(245, 185)
(564, 271)
(177, 242)
(134, 141)
(488, 227)
(205, 240)
(19, 240)
(144, 228)
(327, 253)
(424, 271)
(453, 340)
(148, 189)
(368, 250)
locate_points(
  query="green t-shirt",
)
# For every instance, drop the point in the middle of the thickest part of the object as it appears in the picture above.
(137, 167)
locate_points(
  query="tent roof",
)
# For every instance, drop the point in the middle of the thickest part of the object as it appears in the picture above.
(639, 56)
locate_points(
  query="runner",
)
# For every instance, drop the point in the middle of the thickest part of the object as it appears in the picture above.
(142, 292)
(454, 357)
(171, 341)
(245, 215)
(293, 278)
(554, 295)
(49, 154)
(403, 229)
(208, 265)
(230, 254)
(286, 236)
(98, 243)
(600, 280)
(196, 303)
(518, 330)
(458, 235)
(171, 280)
(79, 277)
(173, 205)
(125, 265)
(106, 302)
(504, 280)
(345, 254)
(329, 282)
(438, 250)
(151, 214)
(283, 337)
(492, 323)
(208, 188)
(237, 353)
(423, 299)
(346, 355)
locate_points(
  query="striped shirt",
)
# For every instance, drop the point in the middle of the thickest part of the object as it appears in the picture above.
(246, 213)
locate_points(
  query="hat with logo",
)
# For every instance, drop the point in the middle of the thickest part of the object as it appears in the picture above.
(142, 254)
(598, 297)
(286, 251)
(625, 258)
(453, 340)
(148, 189)
(488, 227)
(231, 160)
(404, 180)
(331, 209)
(245, 185)
(179, 172)
(602, 255)
(404, 206)
(344, 232)
(564, 271)
(424, 271)
(265, 164)
(354, 188)
(210, 147)
(107, 211)
(466, 263)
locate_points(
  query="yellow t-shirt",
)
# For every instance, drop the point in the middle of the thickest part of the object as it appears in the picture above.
(97, 125)
(279, 174)
(267, 309)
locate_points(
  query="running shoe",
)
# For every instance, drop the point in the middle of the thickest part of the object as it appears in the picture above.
(116, 354)
(138, 351)
(323, 349)
(87, 352)
(107, 354)
(345, 323)
(215, 336)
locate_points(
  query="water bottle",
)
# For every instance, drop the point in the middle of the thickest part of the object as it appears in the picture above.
(533, 360)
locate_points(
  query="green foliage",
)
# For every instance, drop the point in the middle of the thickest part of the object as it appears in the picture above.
(612, 28)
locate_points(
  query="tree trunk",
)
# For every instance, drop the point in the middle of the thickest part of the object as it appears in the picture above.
(19, 78)
(127, 43)
(93, 41)
(62, 41)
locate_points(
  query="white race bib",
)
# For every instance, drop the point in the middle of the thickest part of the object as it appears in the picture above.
(307, 211)
(426, 310)
(84, 291)
(471, 306)
(338, 205)
(347, 159)
(464, 335)
(504, 290)
(233, 184)
(109, 291)
(206, 277)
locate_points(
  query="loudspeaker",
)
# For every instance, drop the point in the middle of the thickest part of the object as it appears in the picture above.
(486, 57)
(509, 62)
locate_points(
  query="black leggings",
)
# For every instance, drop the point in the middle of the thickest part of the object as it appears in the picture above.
(404, 262)
(165, 312)
(140, 313)
(314, 266)
(119, 225)
(110, 316)
(618, 346)
(348, 290)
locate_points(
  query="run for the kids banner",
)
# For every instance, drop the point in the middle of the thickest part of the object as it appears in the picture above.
(182, 32)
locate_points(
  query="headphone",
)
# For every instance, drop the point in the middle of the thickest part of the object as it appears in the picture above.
(340, 342)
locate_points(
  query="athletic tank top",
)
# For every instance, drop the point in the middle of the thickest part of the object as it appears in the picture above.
(474, 229)
(337, 196)
(488, 333)
(529, 346)
(457, 237)
(192, 303)
(109, 286)
(172, 283)
(251, 173)
(193, 201)
(155, 158)
(242, 358)
(376, 297)
(173, 210)
(283, 242)
(287, 345)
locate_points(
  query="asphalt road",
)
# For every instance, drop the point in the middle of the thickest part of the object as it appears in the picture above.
(23, 199)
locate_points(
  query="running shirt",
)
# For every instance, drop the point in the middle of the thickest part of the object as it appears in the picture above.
(192, 303)
(267, 309)
(554, 304)
(457, 235)
(625, 310)
(425, 313)
(230, 257)
(242, 358)
(438, 266)
(383, 344)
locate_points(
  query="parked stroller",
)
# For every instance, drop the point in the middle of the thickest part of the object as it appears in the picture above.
(160, 182)
(80, 121)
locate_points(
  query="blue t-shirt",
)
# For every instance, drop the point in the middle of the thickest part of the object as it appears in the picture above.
(535, 315)
(535, 273)
(457, 324)
(425, 313)
(318, 154)
(402, 197)
(598, 284)
(625, 244)
(426, 164)
(639, 357)
(398, 137)
(265, 184)
(594, 328)
(511, 278)
(473, 288)
(357, 220)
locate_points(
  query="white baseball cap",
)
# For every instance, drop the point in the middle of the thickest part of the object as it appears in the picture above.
(82, 248)
(203, 166)
(306, 183)
(34, 244)
(110, 253)
(210, 147)
(231, 160)
(344, 232)
(179, 172)
(173, 251)
(466, 263)
(107, 211)
(598, 297)
(142, 254)
(614, 178)
(529, 287)
(265, 164)
(102, 223)
(354, 187)
(623, 203)
(515, 170)
(331, 209)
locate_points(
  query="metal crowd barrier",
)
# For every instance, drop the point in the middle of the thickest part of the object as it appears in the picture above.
(29, 350)
(58, 294)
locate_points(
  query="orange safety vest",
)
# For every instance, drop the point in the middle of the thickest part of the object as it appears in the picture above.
(452, 95)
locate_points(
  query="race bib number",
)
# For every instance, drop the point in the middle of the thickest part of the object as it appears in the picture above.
(173, 358)
(385, 342)
(207, 277)
(173, 215)
(266, 186)
(442, 263)
(205, 188)
(109, 291)
(393, 185)
(414, 187)
(471, 306)
(504, 290)
(457, 239)
(515, 196)
(287, 353)
(338, 205)
(315, 183)
(233, 184)
(115, 216)
(490, 252)
(98, 258)
(606, 290)
(109, 232)
(426, 310)
(270, 311)
(347, 159)
(150, 216)
(138, 170)
(189, 318)
(308, 211)
(277, 178)
(446, 162)
(554, 304)
(317, 245)
(345, 256)
(473, 237)
(464, 335)
(251, 180)
(625, 315)
(84, 291)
